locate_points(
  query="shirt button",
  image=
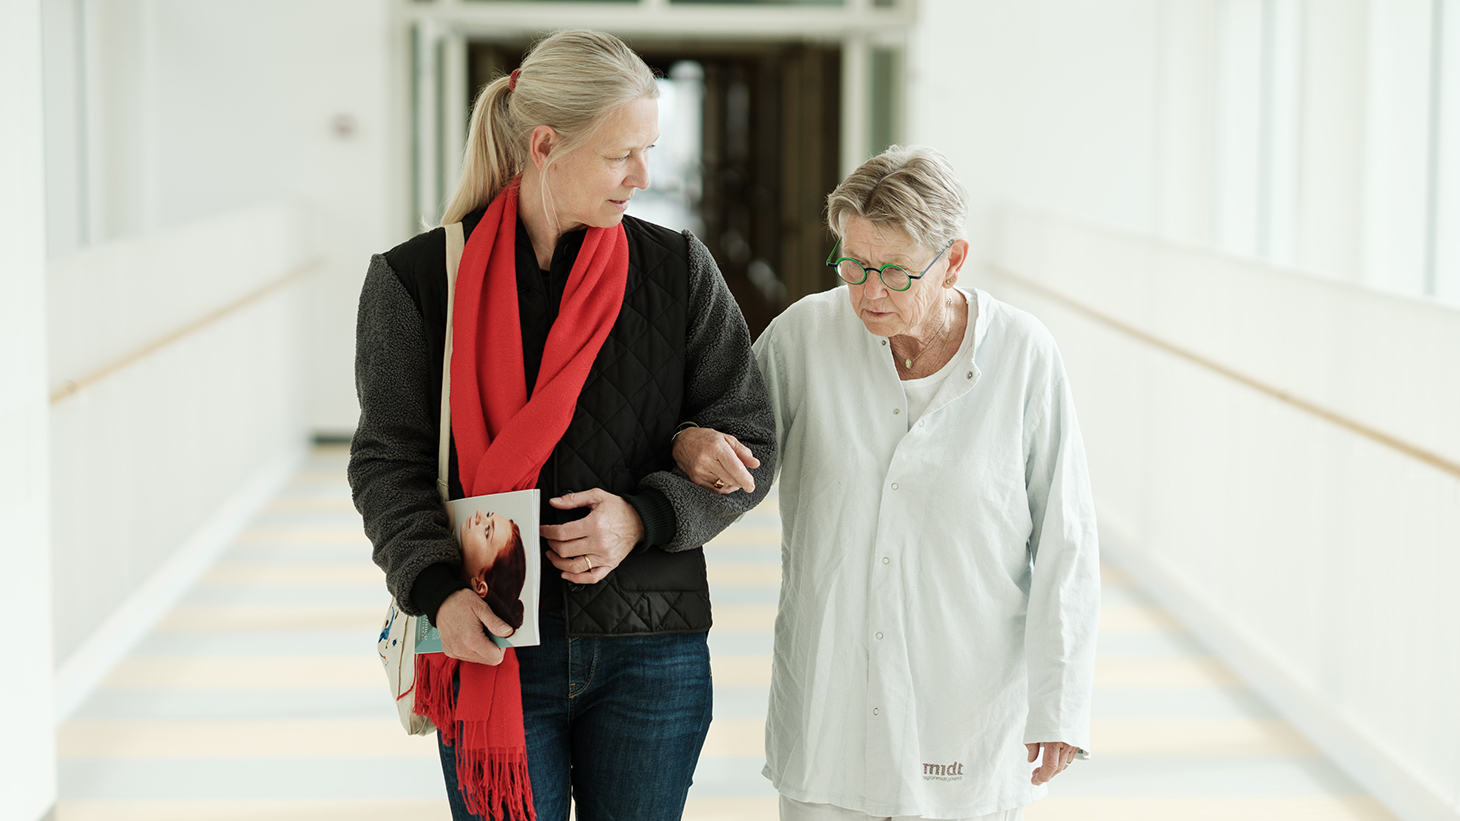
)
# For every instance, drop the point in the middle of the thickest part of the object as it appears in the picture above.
(920, 422)
(886, 560)
(879, 635)
(894, 486)
(874, 711)
(896, 411)
(968, 375)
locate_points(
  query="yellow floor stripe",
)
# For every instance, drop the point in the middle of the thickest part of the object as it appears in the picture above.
(309, 534)
(739, 575)
(322, 475)
(1136, 618)
(306, 573)
(254, 810)
(1197, 736)
(250, 738)
(770, 505)
(274, 617)
(1114, 576)
(730, 809)
(1141, 671)
(310, 504)
(744, 617)
(1206, 808)
(735, 737)
(745, 537)
(739, 671)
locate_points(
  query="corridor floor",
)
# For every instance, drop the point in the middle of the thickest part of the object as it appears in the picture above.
(260, 697)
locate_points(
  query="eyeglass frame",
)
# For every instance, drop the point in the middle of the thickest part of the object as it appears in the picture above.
(835, 265)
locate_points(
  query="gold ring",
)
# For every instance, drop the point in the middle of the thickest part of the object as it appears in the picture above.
(719, 484)
(590, 563)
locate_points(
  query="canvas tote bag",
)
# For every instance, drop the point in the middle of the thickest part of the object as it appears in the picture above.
(397, 644)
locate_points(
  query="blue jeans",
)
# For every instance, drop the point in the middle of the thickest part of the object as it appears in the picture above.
(614, 723)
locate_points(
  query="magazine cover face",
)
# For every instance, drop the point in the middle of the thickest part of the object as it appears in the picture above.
(500, 562)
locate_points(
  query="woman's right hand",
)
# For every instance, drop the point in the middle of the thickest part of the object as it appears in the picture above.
(463, 621)
(714, 460)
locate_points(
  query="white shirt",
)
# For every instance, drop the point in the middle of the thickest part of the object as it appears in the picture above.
(920, 392)
(940, 583)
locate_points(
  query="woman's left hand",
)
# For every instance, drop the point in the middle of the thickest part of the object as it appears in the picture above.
(1057, 756)
(588, 549)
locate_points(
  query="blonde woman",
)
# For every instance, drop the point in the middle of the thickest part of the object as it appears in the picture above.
(582, 339)
(940, 588)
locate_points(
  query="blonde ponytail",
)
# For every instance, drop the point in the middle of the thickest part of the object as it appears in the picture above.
(571, 82)
(489, 159)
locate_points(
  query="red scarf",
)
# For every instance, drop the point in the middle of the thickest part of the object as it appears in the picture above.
(502, 442)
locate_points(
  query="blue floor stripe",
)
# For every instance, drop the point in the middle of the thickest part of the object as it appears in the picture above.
(179, 779)
(740, 701)
(744, 594)
(1178, 702)
(1149, 643)
(763, 554)
(731, 777)
(334, 642)
(276, 553)
(213, 593)
(209, 704)
(740, 642)
(1197, 775)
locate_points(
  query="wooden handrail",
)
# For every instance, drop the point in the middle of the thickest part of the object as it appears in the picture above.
(1415, 452)
(74, 386)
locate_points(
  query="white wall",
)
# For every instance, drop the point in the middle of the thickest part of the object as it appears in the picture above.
(165, 112)
(177, 395)
(348, 50)
(1398, 138)
(1330, 220)
(223, 171)
(1152, 115)
(27, 756)
(1048, 100)
(1316, 555)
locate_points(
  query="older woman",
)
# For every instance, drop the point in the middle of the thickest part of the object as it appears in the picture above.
(581, 337)
(940, 585)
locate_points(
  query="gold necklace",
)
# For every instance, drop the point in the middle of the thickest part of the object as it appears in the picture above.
(908, 363)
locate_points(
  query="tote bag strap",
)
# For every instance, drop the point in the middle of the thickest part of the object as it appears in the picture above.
(455, 243)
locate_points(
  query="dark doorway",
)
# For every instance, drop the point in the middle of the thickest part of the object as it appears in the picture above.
(770, 133)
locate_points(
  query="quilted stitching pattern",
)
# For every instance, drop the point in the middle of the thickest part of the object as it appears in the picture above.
(628, 408)
(679, 350)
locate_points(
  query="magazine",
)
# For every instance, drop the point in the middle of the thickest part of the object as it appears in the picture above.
(501, 561)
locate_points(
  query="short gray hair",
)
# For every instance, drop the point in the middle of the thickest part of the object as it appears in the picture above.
(912, 189)
(571, 82)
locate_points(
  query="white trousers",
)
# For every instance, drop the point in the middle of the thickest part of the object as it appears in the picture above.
(793, 810)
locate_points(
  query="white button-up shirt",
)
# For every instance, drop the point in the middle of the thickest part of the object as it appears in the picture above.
(940, 587)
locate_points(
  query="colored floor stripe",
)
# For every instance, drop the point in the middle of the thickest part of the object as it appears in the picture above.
(260, 697)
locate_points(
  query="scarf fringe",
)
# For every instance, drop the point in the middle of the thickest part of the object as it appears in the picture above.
(435, 692)
(493, 780)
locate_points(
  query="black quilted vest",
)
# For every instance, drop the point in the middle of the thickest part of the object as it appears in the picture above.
(626, 414)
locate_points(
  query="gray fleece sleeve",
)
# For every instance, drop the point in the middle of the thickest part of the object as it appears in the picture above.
(393, 455)
(724, 391)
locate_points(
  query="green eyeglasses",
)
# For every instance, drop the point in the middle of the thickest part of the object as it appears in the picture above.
(894, 276)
